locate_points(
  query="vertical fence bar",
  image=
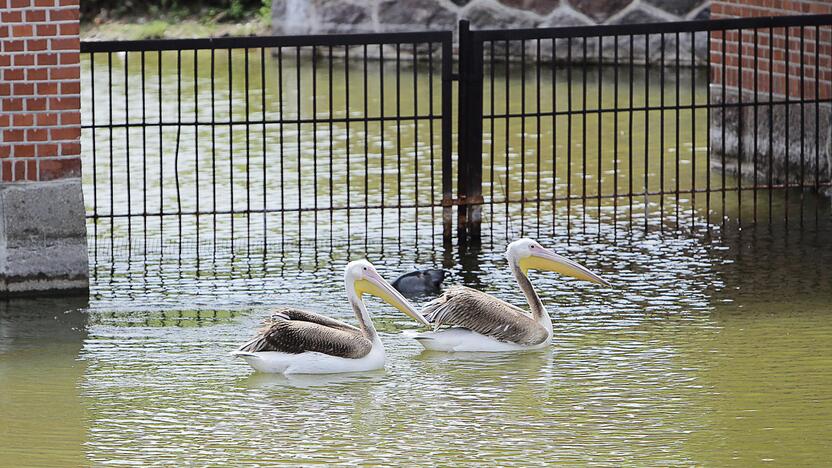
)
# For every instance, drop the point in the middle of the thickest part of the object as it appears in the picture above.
(740, 113)
(447, 135)
(600, 123)
(416, 139)
(678, 129)
(770, 125)
(661, 133)
(348, 124)
(787, 124)
(213, 151)
(178, 135)
(615, 139)
(646, 129)
(330, 79)
(110, 126)
(708, 140)
(94, 154)
(584, 70)
(507, 119)
(693, 188)
(630, 137)
(724, 122)
(539, 133)
(365, 118)
(299, 138)
(399, 131)
(522, 136)
(382, 123)
(315, 141)
(263, 143)
(431, 121)
(144, 154)
(281, 140)
(127, 148)
(802, 122)
(491, 111)
(756, 130)
(568, 138)
(817, 119)
(231, 142)
(196, 145)
(554, 134)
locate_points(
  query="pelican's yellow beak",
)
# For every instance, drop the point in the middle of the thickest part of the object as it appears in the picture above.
(375, 285)
(545, 259)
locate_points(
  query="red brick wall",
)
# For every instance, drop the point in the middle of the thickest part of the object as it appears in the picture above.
(782, 53)
(40, 115)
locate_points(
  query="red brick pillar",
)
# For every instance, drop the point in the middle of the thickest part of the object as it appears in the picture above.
(777, 77)
(42, 229)
(40, 90)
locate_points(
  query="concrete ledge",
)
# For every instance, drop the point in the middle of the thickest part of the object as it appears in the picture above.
(43, 239)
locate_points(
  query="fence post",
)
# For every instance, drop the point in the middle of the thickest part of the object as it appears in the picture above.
(469, 161)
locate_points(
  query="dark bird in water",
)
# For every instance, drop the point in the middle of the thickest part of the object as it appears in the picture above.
(420, 282)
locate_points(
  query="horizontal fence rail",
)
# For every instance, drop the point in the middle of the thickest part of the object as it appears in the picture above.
(672, 124)
(668, 126)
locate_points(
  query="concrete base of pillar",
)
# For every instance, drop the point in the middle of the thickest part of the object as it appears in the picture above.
(43, 239)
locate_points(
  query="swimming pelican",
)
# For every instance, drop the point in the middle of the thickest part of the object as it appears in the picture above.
(480, 322)
(295, 341)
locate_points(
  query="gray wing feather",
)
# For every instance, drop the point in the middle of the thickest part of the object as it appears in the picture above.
(468, 308)
(296, 331)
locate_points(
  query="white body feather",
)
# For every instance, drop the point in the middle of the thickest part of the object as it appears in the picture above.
(457, 339)
(275, 362)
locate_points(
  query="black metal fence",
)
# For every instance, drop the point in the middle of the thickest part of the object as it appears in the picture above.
(569, 128)
(644, 124)
(218, 139)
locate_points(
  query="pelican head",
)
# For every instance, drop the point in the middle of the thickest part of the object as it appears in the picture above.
(362, 278)
(528, 254)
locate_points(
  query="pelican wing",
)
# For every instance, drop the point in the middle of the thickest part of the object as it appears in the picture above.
(297, 331)
(485, 314)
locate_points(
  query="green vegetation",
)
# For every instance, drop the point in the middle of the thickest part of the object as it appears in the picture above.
(159, 19)
(221, 10)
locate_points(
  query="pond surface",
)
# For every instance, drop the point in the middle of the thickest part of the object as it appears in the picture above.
(708, 349)
(703, 353)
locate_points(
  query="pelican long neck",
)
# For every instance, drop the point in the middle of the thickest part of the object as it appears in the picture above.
(536, 306)
(360, 310)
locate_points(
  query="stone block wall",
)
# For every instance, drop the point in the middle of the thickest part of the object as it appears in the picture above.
(799, 149)
(42, 227)
(330, 16)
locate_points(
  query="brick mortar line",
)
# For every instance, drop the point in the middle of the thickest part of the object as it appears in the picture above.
(44, 96)
(40, 127)
(43, 8)
(35, 24)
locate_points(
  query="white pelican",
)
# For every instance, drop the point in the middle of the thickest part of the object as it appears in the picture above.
(294, 341)
(480, 322)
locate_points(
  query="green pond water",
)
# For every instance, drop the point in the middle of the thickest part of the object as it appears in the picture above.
(708, 349)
